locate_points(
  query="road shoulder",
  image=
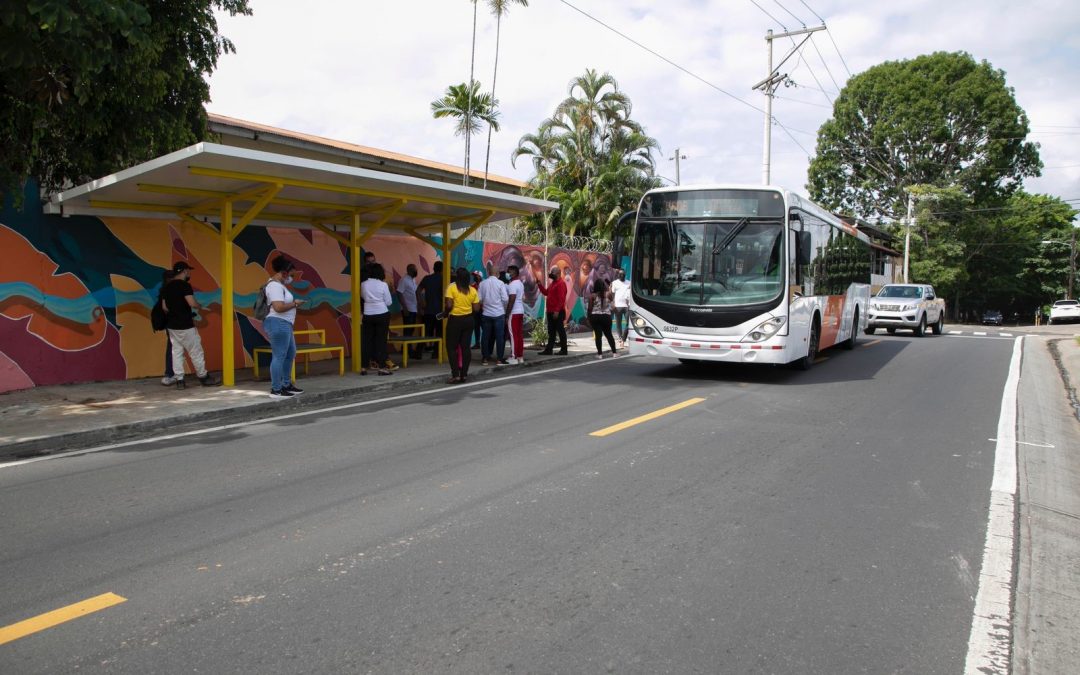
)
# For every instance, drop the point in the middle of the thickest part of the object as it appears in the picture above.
(1048, 587)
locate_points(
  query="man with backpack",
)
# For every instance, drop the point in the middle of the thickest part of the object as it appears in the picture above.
(179, 301)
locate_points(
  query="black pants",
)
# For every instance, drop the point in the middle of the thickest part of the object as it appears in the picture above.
(432, 328)
(410, 317)
(556, 326)
(601, 328)
(459, 330)
(373, 334)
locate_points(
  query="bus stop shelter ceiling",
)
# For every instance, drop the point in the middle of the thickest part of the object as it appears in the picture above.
(226, 189)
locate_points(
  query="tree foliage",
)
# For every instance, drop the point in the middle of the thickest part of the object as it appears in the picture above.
(993, 257)
(940, 119)
(88, 87)
(470, 110)
(590, 156)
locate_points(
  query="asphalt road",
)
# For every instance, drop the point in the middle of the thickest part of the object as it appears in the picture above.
(828, 521)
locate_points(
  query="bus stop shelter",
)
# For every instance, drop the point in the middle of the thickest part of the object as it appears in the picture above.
(226, 189)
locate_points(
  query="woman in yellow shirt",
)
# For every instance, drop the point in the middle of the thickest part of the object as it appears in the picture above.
(461, 303)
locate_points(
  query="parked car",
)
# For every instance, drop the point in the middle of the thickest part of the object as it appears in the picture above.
(992, 317)
(1065, 310)
(912, 306)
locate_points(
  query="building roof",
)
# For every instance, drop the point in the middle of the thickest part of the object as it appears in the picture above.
(242, 133)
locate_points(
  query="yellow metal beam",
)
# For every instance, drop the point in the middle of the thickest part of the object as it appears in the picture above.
(330, 187)
(228, 365)
(477, 224)
(256, 208)
(354, 295)
(423, 237)
(177, 210)
(188, 218)
(331, 233)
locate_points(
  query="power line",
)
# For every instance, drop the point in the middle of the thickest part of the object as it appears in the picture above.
(662, 57)
(795, 100)
(818, 16)
(775, 20)
(827, 70)
(685, 70)
(801, 22)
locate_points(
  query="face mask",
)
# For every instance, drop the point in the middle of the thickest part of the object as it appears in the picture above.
(288, 279)
(553, 277)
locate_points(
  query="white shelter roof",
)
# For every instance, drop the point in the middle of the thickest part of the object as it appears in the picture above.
(286, 191)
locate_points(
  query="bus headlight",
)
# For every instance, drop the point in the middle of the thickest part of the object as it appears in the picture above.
(643, 327)
(765, 330)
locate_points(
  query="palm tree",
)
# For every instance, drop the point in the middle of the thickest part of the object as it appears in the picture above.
(468, 104)
(469, 108)
(590, 156)
(498, 8)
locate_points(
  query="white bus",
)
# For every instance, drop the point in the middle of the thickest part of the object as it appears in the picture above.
(744, 274)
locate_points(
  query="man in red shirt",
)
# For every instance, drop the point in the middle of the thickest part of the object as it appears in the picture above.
(555, 292)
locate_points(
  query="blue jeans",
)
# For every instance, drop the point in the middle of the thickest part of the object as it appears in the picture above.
(493, 328)
(283, 351)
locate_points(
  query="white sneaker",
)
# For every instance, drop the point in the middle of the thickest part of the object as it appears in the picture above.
(599, 357)
(168, 381)
(512, 361)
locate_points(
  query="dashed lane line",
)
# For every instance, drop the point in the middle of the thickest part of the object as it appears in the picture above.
(58, 616)
(607, 431)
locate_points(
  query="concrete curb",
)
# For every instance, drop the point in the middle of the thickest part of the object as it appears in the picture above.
(251, 411)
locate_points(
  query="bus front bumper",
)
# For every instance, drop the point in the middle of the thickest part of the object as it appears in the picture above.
(769, 351)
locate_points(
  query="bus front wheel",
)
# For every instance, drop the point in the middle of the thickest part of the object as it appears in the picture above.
(811, 348)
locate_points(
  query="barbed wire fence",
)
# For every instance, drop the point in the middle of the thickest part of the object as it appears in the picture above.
(518, 234)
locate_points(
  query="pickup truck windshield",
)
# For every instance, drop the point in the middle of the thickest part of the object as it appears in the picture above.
(901, 292)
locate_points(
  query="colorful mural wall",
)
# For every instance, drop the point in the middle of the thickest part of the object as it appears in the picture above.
(76, 292)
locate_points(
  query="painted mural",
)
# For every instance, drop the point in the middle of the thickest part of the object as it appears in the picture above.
(76, 292)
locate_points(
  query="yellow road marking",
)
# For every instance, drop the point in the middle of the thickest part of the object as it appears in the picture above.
(58, 616)
(820, 359)
(871, 343)
(607, 431)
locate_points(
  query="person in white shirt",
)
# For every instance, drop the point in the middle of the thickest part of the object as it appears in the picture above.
(406, 290)
(620, 310)
(375, 328)
(493, 303)
(515, 315)
(279, 329)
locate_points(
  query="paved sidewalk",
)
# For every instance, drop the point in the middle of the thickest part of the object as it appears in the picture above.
(47, 420)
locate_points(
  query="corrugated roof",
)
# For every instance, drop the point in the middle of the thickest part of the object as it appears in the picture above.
(221, 124)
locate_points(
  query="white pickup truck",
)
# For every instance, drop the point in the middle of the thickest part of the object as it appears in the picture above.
(911, 306)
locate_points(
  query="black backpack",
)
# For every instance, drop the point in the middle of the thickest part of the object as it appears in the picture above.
(158, 317)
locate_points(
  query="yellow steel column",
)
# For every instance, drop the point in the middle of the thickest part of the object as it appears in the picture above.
(354, 299)
(228, 366)
(446, 274)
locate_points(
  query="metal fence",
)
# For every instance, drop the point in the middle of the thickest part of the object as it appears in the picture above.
(519, 234)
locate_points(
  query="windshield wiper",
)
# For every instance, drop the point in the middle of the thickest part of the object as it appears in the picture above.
(734, 232)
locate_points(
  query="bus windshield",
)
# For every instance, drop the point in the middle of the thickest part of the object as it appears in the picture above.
(735, 261)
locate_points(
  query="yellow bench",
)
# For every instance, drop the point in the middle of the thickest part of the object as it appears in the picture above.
(406, 341)
(305, 350)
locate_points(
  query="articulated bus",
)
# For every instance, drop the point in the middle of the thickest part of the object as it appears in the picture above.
(744, 274)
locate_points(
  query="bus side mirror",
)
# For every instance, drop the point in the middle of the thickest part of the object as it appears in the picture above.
(803, 248)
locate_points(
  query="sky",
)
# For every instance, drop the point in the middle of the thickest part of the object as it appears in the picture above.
(366, 72)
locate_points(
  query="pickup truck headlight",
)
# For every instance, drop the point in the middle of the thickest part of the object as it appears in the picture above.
(765, 330)
(643, 327)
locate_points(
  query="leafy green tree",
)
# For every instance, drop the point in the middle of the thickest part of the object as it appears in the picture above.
(498, 8)
(989, 258)
(469, 109)
(590, 156)
(940, 119)
(88, 87)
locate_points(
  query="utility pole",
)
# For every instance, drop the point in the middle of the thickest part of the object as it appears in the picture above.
(768, 86)
(907, 234)
(1072, 263)
(677, 157)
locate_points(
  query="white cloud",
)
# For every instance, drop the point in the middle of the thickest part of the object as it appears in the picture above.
(366, 72)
